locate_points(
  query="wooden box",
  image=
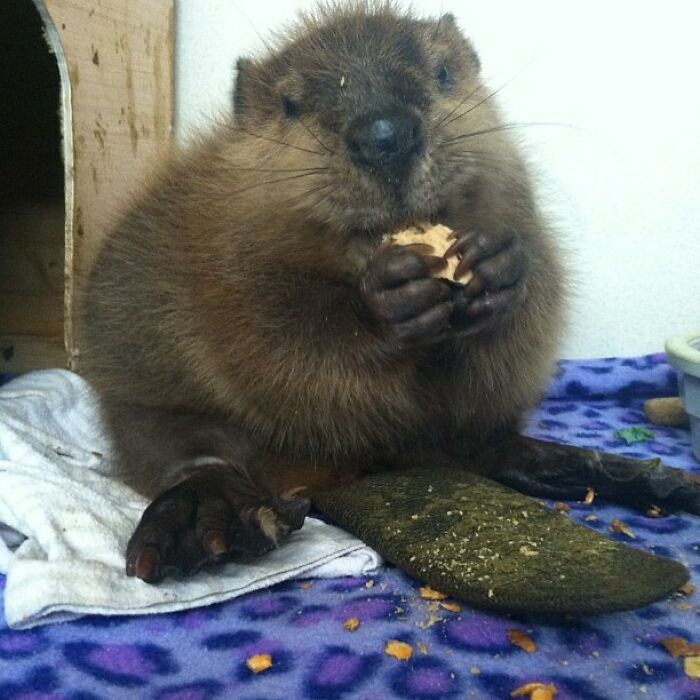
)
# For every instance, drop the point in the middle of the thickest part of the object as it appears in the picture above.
(87, 111)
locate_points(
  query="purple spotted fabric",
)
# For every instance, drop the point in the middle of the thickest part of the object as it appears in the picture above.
(201, 654)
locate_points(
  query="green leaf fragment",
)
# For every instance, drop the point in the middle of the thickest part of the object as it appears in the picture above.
(634, 434)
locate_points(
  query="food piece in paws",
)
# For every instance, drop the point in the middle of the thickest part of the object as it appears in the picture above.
(438, 237)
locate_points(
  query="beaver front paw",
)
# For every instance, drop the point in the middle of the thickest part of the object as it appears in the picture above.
(412, 307)
(208, 519)
(497, 288)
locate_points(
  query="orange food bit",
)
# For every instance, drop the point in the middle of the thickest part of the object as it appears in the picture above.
(351, 624)
(619, 526)
(428, 593)
(451, 607)
(398, 650)
(521, 640)
(544, 692)
(259, 663)
(677, 646)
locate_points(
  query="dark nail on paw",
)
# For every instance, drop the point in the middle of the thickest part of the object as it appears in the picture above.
(215, 543)
(147, 563)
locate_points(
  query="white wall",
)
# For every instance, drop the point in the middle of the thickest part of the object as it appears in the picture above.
(623, 184)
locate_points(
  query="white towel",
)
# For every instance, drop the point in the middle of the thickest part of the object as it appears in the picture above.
(64, 523)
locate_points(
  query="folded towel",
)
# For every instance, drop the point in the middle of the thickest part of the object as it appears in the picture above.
(65, 523)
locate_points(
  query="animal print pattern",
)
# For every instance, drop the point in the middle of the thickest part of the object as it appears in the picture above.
(202, 653)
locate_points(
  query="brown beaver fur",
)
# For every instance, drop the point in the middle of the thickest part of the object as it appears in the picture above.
(242, 317)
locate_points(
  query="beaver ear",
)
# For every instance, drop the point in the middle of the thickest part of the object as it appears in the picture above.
(239, 86)
(448, 23)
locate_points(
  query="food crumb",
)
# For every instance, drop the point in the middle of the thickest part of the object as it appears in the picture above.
(619, 527)
(590, 495)
(398, 650)
(562, 507)
(678, 646)
(654, 512)
(369, 584)
(521, 640)
(427, 593)
(474, 671)
(305, 585)
(526, 551)
(259, 662)
(422, 648)
(351, 624)
(451, 607)
(591, 518)
(535, 691)
(687, 589)
(691, 666)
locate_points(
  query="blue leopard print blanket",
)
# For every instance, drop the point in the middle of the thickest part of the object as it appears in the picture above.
(457, 653)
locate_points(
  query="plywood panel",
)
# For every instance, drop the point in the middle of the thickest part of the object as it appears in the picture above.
(115, 58)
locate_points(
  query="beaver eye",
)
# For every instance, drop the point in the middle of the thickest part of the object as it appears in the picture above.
(444, 77)
(290, 109)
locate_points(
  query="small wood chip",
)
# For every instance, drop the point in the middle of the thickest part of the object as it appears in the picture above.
(691, 666)
(562, 507)
(259, 663)
(590, 495)
(351, 624)
(545, 692)
(677, 646)
(428, 593)
(451, 607)
(398, 650)
(521, 640)
(687, 589)
(542, 694)
(618, 526)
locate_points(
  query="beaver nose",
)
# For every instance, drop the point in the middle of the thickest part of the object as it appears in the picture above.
(384, 140)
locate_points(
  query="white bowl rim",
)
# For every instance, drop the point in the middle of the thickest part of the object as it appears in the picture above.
(680, 346)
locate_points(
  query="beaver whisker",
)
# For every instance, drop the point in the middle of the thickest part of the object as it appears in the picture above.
(228, 194)
(307, 193)
(284, 170)
(467, 156)
(441, 121)
(323, 145)
(502, 127)
(278, 141)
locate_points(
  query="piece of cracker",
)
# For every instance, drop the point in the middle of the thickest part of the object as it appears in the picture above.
(438, 237)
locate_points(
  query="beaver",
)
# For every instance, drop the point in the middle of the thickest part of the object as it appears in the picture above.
(252, 339)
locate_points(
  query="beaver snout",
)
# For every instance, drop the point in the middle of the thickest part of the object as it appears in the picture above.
(385, 140)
